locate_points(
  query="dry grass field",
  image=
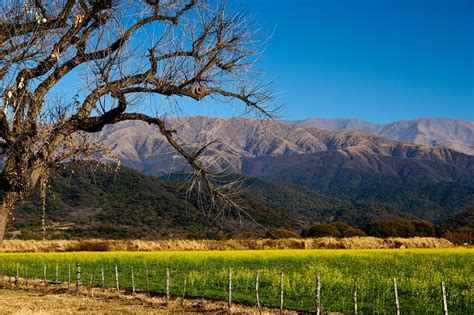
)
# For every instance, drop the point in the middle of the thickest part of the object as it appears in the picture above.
(38, 300)
(13, 246)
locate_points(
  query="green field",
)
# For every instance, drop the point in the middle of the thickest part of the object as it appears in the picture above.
(419, 273)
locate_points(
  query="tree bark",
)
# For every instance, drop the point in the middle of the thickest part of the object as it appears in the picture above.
(7, 202)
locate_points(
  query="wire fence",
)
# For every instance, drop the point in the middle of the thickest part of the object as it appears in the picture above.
(277, 288)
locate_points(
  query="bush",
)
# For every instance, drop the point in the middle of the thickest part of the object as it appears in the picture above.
(336, 229)
(460, 236)
(400, 228)
(321, 230)
(278, 233)
(346, 230)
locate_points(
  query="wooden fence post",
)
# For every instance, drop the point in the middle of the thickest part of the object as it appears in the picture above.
(133, 280)
(44, 274)
(167, 285)
(78, 277)
(257, 297)
(57, 274)
(17, 275)
(185, 281)
(117, 279)
(102, 276)
(68, 276)
(318, 294)
(26, 276)
(445, 301)
(355, 296)
(395, 292)
(90, 281)
(229, 288)
(282, 288)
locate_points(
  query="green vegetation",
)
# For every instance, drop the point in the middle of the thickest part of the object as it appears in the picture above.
(419, 273)
(92, 202)
(336, 229)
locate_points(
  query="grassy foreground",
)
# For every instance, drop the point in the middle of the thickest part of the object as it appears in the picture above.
(419, 273)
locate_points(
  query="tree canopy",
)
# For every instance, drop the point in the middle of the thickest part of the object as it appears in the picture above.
(116, 52)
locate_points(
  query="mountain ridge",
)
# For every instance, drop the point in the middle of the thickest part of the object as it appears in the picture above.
(140, 146)
(457, 134)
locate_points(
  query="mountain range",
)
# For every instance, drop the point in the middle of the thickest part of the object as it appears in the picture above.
(295, 174)
(355, 165)
(450, 133)
(242, 144)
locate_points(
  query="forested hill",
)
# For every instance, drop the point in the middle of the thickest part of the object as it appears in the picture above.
(102, 202)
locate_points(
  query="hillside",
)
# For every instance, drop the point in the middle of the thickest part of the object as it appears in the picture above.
(449, 133)
(351, 165)
(418, 191)
(128, 204)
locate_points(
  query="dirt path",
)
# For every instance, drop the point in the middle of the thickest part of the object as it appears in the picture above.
(35, 300)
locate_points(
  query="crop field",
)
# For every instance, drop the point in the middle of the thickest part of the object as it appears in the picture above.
(418, 272)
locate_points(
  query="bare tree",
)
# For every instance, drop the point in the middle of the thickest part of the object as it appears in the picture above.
(115, 51)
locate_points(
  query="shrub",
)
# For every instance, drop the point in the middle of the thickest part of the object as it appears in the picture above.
(400, 228)
(277, 233)
(322, 230)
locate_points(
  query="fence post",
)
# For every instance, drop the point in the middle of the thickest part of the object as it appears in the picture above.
(17, 275)
(44, 274)
(56, 274)
(318, 294)
(445, 301)
(395, 292)
(355, 296)
(26, 275)
(1, 273)
(257, 276)
(102, 275)
(133, 280)
(91, 282)
(282, 288)
(68, 276)
(78, 277)
(167, 285)
(117, 279)
(184, 288)
(229, 288)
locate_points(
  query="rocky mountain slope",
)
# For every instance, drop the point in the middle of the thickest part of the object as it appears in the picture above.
(449, 133)
(141, 147)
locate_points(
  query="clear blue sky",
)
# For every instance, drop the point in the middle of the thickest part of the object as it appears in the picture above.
(376, 60)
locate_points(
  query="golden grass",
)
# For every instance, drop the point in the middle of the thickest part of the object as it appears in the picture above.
(13, 246)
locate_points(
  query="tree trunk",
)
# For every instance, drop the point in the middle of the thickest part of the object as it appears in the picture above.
(7, 202)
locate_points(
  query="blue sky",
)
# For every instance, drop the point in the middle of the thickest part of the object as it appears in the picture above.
(376, 60)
